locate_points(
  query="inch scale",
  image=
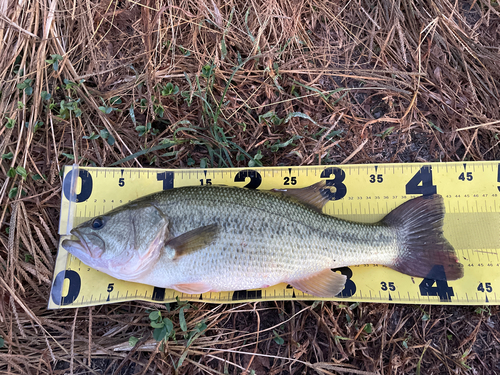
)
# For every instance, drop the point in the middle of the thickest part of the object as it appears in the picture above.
(363, 193)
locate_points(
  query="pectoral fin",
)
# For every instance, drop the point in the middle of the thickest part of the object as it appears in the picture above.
(193, 240)
(311, 195)
(322, 284)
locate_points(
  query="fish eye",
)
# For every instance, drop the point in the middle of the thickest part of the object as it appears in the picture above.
(97, 223)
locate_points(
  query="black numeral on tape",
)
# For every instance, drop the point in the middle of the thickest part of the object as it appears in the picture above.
(350, 287)
(158, 294)
(167, 178)
(498, 177)
(442, 289)
(208, 181)
(87, 184)
(336, 182)
(376, 178)
(465, 176)
(421, 183)
(75, 284)
(485, 288)
(388, 286)
(255, 178)
(246, 294)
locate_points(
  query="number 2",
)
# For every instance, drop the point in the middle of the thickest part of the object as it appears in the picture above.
(255, 178)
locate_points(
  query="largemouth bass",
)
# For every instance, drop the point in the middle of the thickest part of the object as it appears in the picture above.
(214, 238)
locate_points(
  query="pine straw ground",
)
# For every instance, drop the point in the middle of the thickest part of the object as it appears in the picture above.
(273, 82)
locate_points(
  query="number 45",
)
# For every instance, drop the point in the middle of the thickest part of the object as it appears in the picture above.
(464, 176)
(487, 287)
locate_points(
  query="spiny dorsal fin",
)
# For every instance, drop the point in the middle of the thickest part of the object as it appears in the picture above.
(193, 240)
(310, 195)
(322, 284)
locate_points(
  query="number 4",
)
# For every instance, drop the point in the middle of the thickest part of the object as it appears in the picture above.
(442, 289)
(421, 183)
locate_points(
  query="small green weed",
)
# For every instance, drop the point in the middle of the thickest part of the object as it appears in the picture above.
(406, 341)
(132, 341)
(276, 146)
(26, 86)
(8, 156)
(425, 316)
(435, 126)
(385, 133)
(10, 123)
(480, 310)
(104, 134)
(21, 172)
(68, 107)
(13, 192)
(45, 95)
(164, 328)
(143, 130)
(108, 108)
(277, 338)
(55, 58)
(464, 358)
(169, 89)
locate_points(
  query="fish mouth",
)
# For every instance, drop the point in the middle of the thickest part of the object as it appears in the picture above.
(80, 246)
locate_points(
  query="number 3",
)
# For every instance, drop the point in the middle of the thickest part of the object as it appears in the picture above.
(337, 183)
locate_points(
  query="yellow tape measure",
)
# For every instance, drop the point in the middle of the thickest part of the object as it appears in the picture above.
(364, 193)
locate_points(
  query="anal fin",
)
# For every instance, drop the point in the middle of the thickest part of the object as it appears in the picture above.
(322, 284)
(192, 288)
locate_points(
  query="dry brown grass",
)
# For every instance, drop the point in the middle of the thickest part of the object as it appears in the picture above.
(372, 81)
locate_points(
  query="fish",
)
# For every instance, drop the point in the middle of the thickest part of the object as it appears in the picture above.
(201, 239)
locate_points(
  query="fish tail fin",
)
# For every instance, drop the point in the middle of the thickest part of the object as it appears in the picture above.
(419, 224)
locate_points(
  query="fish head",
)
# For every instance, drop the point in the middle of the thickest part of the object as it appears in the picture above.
(123, 243)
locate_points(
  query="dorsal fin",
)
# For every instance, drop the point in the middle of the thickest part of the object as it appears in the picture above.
(310, 195)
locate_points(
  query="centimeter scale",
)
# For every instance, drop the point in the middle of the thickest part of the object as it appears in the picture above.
(363, 193)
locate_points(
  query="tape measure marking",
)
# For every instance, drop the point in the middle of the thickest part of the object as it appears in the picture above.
(361, 192)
